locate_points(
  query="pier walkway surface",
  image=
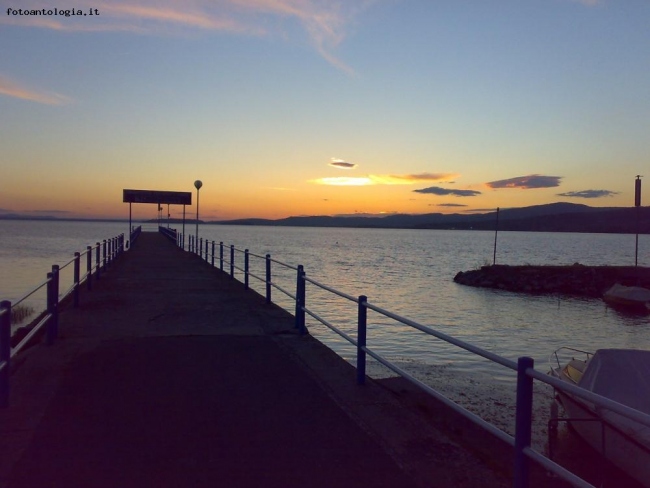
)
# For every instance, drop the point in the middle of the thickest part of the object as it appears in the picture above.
(169, 374)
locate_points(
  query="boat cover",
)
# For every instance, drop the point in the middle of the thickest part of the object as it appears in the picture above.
(627, 295)
(622, 375)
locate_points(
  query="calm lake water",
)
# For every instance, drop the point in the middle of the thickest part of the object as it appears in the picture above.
(409, 272)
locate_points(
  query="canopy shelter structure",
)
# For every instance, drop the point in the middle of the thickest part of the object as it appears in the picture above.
(157, 197)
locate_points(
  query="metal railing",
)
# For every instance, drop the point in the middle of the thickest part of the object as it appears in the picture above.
(524, 366)
(168, 232)
(135, 233)
(104, 252)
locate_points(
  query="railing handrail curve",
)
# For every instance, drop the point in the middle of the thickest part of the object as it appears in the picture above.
(523, 449)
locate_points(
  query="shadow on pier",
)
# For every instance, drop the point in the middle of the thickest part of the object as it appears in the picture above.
(169, 374)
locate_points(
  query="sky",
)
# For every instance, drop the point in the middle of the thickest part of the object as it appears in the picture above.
(314, 107)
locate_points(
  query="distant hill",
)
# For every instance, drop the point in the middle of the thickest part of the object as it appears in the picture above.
(554, 217)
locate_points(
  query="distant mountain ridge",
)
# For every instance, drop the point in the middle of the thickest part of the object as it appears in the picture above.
(554, 217)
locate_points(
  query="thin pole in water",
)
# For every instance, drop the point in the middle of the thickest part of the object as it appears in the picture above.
(496, 232)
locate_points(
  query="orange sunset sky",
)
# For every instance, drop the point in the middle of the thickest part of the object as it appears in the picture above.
(297, 107)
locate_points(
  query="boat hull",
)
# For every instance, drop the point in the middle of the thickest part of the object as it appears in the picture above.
(626, 453)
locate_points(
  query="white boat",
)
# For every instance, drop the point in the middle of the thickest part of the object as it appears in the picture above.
(622, 375)
(633, 297)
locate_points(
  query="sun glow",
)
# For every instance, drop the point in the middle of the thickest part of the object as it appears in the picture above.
(344, 181)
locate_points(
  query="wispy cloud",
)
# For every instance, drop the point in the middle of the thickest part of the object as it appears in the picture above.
(324, 22)
(410, 179)
(58, 212)
(184, 15)
(589, 3)
(343, 181)
(341, 164)
(14, 89)
(588, 194)
(436, 190)
(407, 179)
(447, 205)
(527, 182)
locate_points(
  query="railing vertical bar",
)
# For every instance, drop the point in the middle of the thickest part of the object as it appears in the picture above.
(5, 351)
(221, 255)
(98, 259)
(362, 321)
(213, 245)
(232, 261)
(77, 258)
(55, 316)
(51, 300)
(300, 299)
(246, 258)
(104, 254)
(268, 278)
(89, 267)
(523, 421)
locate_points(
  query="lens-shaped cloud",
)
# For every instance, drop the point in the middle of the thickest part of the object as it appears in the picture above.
(527, 182)
(436, 190)
(588, 194)
(341, 164)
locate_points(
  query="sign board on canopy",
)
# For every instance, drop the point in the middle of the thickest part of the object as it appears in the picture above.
(159, 197)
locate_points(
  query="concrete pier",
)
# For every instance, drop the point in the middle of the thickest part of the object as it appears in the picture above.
(169, 374)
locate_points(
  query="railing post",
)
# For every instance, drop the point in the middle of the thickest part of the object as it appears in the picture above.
(89, 267)
(221, 255)
(206, 249)
(57, 282)
(98, 259)
(300, 300)
(232, 261)
(76, 278)
(268, 278)
(523, 421)
(5, 351)
(104, 254)
(361, 340)
(200, 253)
(53, 304)
(246, 269)
(213, 244)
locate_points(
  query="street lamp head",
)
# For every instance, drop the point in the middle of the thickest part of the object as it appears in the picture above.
(198, 184)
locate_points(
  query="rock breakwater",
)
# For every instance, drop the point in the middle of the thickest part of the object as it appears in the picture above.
(577, 279)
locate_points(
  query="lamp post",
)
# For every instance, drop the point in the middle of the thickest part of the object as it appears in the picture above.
(197, 184)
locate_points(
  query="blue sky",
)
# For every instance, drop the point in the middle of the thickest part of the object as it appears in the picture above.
(437, 106)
